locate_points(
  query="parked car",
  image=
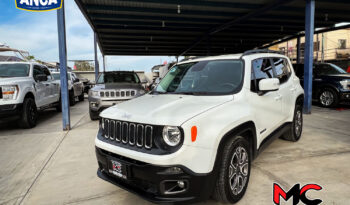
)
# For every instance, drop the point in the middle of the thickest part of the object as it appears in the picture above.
(112, 88)
(26, 88)
(199, 130)
(86, 82)
(75, 87)
(330, 83)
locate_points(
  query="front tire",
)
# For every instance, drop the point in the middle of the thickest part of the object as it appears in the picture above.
(296, 129)
(93, 115)
(328, 98)
(234, 172)
(71, 98)
(29, 115)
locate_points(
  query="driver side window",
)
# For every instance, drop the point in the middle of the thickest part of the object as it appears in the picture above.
(261, 69)
(37, 71)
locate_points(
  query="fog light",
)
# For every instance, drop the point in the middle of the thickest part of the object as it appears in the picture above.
(169, 187)
(181, 184)
(94, 104)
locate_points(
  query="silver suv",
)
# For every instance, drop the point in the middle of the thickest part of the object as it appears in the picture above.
(113, 88)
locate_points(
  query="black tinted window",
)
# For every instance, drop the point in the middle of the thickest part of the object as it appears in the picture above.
(282, 69)
(327, 69)
(261, 69)
(122, 77)
(37, 71)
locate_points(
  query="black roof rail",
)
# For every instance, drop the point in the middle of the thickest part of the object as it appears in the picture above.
(255, 51)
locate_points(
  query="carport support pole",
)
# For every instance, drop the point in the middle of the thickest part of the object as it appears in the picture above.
(298, 50)
(309, 53)
(61, 28)
(96, 60)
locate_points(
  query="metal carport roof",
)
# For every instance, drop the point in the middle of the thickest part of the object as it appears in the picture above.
(200, 27)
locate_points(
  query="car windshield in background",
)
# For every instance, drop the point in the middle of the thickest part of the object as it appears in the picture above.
(57, 76)
(118, 78)
(14, 70)
(328, 69)
(217, 77)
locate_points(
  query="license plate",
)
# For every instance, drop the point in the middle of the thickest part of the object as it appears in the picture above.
(118, 169)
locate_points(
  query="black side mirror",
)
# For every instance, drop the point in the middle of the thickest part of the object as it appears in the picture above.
(41, 78)
(76, 80)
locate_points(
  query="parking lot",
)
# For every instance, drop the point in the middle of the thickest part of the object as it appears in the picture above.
(45, 165)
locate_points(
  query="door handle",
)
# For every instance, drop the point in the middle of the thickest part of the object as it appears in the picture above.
(279, 97)
(293, 89)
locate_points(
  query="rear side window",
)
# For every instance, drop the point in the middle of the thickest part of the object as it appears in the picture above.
(261, 69)
(282, 69)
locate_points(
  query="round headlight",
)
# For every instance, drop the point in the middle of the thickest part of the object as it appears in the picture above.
(171, 135)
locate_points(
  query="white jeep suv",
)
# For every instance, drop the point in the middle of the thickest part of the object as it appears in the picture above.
(196, 134)
(25, 88)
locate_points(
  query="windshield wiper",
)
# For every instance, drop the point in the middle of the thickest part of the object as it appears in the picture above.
(191, 93)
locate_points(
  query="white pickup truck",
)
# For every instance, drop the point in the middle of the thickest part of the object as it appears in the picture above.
(26, 88)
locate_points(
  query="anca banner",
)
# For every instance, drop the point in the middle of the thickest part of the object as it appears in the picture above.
(38, 5)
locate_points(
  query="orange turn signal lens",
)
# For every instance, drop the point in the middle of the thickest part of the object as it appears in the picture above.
(194, 133)
(8, 92)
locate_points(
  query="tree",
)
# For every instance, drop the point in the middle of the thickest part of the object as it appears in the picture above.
(83, 66)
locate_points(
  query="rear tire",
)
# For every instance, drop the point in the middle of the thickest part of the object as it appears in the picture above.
(59, 105)
(296, 129)
(81, 97)
(328, 98)
(71, 98)
(29, 115)
(93, 115)
(234, 173)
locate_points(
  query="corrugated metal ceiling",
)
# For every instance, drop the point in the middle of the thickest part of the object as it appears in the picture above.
(170, 27)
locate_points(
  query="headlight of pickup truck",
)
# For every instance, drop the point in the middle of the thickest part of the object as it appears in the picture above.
(171, 135)
(345, 84)
(10, 92)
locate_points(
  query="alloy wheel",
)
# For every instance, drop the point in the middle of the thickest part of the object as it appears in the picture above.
(238, 170)
(298, 123)
(326, 98)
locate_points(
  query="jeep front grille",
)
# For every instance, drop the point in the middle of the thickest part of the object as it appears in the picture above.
(128, 133)
(116, 94)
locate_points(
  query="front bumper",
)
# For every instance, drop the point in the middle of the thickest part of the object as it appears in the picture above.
(98, 105)
(345, 95)
(151, 182)
(10, 110)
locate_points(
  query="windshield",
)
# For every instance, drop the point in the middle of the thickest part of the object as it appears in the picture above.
(204, 77)
(118, 78)
(14, 70)
(328, 69)
(57, 76)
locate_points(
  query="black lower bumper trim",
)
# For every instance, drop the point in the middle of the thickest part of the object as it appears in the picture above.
(147, 196)
(147, 180)
(9, 111)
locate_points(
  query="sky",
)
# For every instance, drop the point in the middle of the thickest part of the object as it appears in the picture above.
(36, 32)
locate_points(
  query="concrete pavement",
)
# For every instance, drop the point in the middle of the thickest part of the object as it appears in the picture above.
(47, 166)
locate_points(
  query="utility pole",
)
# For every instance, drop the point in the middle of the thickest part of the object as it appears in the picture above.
(322, 51)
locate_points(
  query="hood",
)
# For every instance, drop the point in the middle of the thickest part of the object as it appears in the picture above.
(164, 109)
(14, 80)
(112, 86)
